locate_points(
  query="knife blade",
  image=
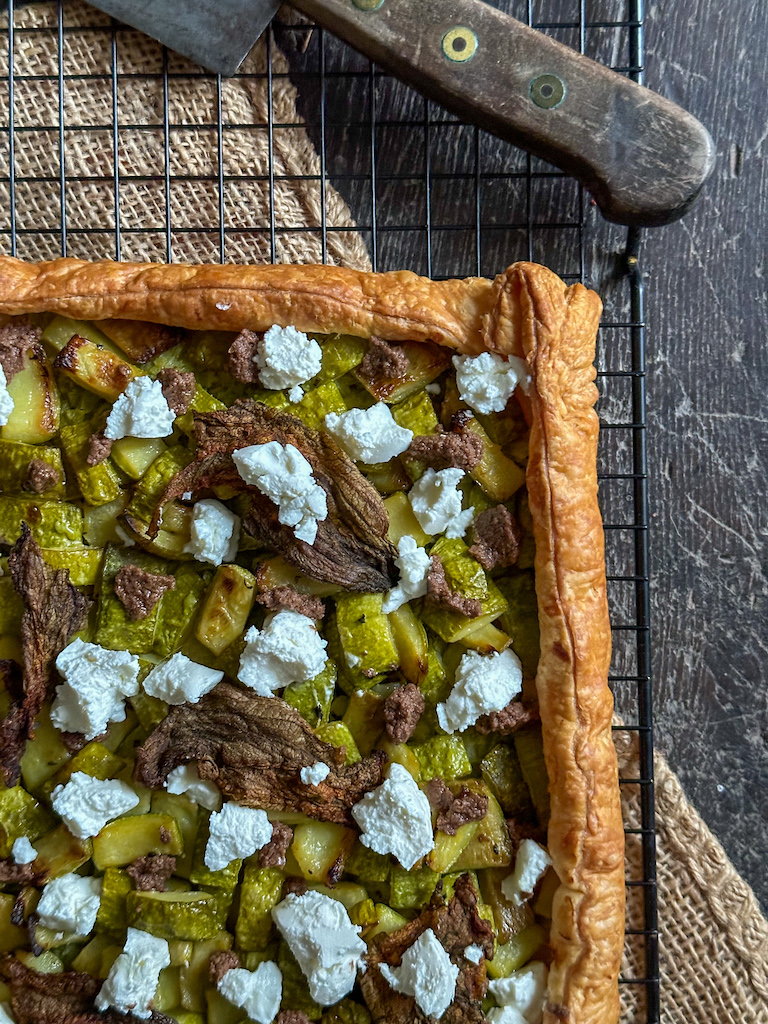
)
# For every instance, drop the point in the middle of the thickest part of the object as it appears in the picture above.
(643, 158)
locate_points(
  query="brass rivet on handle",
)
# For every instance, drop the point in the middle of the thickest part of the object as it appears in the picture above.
(547, 91)
(459, 44)
(367, 5)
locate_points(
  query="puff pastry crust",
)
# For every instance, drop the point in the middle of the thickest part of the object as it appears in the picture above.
(527, 311)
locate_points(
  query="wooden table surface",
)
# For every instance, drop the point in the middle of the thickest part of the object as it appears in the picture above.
(707, 384)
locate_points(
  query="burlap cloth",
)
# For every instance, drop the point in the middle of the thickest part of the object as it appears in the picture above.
(713, 939)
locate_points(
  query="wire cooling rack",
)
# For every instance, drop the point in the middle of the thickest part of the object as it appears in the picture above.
(426, 192)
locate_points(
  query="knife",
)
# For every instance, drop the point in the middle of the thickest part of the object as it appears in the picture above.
(643, 158)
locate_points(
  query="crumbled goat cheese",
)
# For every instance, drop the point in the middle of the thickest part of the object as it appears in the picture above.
(314, 774)
(85, 804)
(413, 563)
(437, 504)
(484, 683)
(96, 683)
(284, 475)
(427, 973)
(6, 402)
(396, 818)
(288, 649)
(141, 411)
(181, 681)
(22, 851)
(69, 904)
(324, 941)
(474, 954)
(369, 435)
(523, 991)
(235, 832)
(214, 532)
(505, 1015)
(5, 1009)
(134, 976)
(185, 780)
(531, 862)
(257, 992)
(286, 358)
(487, 382)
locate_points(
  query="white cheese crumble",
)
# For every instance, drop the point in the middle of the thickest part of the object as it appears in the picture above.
(437, 504)
(6, 402)
(413, 563)
(284, 475)
(69, 904)
(286, 358)
(181, 681)
(85, 804)
(141, 411)
(369, 435)
(486, 382)
(134, 976)
(288, 649)
(314, 774)
(185, 781)
(473, 953)
(5, 1014)
(324, 941)
(96, 683)
(531, 862)
(235, 832)
(524, 991)
(505, 1015)
(214, 532)
(484, 683)
(427, 973)
(396, 818)
(257, 992)
(22, 851)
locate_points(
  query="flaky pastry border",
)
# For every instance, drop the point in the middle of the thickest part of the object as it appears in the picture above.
(527, 311)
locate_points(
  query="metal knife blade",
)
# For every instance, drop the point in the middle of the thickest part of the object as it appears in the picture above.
(218, 34)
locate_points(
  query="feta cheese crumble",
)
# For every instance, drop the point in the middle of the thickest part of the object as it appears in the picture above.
(284, 475)
(523, 991)
(531, 862)
(257, 992)
(69, 904)
(427, 973)
(22, 851)
(141, 411)
(369, 435)
(288, 649)
(96, 683)
(85, 804)
(5, 1014)
(396, 818)
(505, 1015)
(437, 504)
(474, 954)
(134, 976)
(484, 683)
(413, 563)
(286, 358)
(185, 781)
(235, 832)
(486, 382)
(324, 941)
(181, 681)
(6, 402)
(314, 774)
(214, 532)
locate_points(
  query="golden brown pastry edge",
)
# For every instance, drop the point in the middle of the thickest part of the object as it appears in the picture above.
(527, 311)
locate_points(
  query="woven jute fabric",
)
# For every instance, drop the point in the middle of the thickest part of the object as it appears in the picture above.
(171, 169)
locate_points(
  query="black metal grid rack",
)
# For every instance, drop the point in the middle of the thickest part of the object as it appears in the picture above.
(426, 192)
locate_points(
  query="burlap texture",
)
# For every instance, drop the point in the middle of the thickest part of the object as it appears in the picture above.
(713, 938)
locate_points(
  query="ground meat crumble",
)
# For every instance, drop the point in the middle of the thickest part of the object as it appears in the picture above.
(440, 595)
(496, 538)
(273, 854)
(455, 810)
(292, 1017)
(16, 340)
(511, 718)
(460, 449)
(383, 360)
(139, 590)
(150, 873)
(41, 476)
(240, 362)
(402, 710)
(286, 598)
(178, 388)
(99, 448)
(219, 962)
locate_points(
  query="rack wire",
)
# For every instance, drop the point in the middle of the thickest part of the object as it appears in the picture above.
(426, 191)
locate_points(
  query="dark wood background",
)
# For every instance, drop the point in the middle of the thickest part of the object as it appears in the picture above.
(708, 361)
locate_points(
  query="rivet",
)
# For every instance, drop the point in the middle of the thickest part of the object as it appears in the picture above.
(459, 44)
(547, 91)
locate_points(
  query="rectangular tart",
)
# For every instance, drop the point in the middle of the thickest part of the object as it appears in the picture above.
(95, 329)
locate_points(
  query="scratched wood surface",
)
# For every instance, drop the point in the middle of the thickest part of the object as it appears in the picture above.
(708, 359)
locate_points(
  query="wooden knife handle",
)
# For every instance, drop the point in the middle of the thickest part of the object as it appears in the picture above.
(643, 158)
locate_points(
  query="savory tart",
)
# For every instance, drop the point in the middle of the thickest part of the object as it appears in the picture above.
(305, 649)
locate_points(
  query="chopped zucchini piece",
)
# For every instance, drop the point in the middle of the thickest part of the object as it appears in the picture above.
(36, 404)
(498, 475)
(347, 1012)
(150, 711)
(96, 958)
(425, 363)
(295, 992)
(341, 353)
(54, 524)
(202, 401)
(502, 773)
(485, 638)
(448, 849)
(411, 643)
(416, 414)
(15, 457)
(187, 816)
(93, 759)
(44, 754)
(521, 619)
(11, 607)
(364, 717)
(463, 572)
(490, 846)
(444, 757)
(337, 734)
(224, 879)
(347, 893)
(226, 607)
(276, 572)
(111, 918)
(367, 644)
(156, 479)
(101, 522)
(511, 956)
(313, 697)
(177, 609)
(59, 852)
(98, 484)
(401, 753)
(509, 918)
(193, 976)
(177, 915)
(139, 340)
(168, 991)
(317, 403)
(21, 815)
(452, 626)
(94, 368)
(47, 963)
(134, 455)
(63, 328)
(411, 890)
(11, 936)
(126, 839)
(320, 849)
(261, 890)
(530, 752)
(367, 865)
(114, 629)
(83, 564)
(402, 521)
(173, 536)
